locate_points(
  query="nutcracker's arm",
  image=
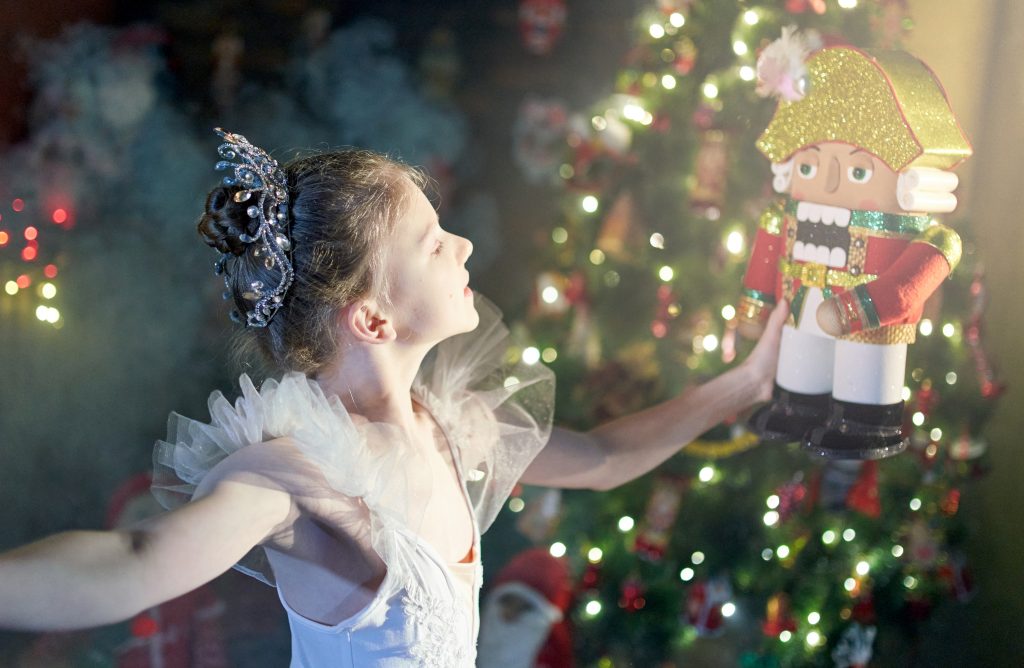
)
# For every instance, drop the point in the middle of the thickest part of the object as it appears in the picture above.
(898, 295)
(761, 277)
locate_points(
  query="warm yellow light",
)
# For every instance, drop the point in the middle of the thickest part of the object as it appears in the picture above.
(925, 327)
(847, 4)
(747, 73)
(739, 47)
(589, 204)
(772, 501)
(549, 355)
(813, 618)
(828, 537)
(677, 19)
(594, 555)
(785, 636)
(814, 639)
(897, 551)
(658, 240)
(559, 235)
(597, 256)
(625, 523)
(43, 313)
(668, 82)
(910, 582)
(557, 549)
(734, 242)
(710, 343)
(849, 535)
(863, 568)
(728, 609)
(686, 574)
(951, 378)
(515, 504)
(948, 330)
(710, 90)
(657, 31)
(666, 273)
(697, 558)
(706, 473)
(915, 504)
(511, 381)
(531, 355)
(905, 393)
(728, 312)
(48, 290)
(11, 288)
(936, 434)
(771, 518)
(634, 112)
(918, 418)
(593, 608)
(782, 551)
(549, 294)
(750, 17)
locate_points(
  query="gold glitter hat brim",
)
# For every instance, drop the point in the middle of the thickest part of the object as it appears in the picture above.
(886, 102)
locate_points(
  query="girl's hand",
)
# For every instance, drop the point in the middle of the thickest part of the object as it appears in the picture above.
(763, 360)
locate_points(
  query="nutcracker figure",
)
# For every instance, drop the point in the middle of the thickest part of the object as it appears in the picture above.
(861, 146)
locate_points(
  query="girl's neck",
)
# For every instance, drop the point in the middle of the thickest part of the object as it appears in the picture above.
(375, 381)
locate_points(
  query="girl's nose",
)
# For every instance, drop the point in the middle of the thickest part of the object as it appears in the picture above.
(466, 249)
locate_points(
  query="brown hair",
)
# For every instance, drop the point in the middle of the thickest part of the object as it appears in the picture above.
(342, 205)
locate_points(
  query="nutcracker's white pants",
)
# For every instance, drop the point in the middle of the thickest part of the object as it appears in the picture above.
(812, 362)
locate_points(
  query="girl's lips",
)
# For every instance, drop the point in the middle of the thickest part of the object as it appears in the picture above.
(467, 291)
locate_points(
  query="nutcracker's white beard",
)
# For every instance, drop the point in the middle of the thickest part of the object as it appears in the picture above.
(516, 643)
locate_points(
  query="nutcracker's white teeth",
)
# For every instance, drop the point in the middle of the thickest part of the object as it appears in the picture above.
(822, 213)
(808, 252)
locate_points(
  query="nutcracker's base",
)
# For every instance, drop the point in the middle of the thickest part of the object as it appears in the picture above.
(789, 416)
(859, 431)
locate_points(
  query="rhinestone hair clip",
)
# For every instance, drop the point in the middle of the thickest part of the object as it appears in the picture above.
(259, 175)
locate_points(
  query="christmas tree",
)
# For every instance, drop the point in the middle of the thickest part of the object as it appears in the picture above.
(807, 561)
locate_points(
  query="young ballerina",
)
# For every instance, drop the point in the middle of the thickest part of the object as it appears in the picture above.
(360, 482)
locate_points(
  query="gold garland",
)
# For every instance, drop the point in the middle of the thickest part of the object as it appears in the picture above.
(722, 449)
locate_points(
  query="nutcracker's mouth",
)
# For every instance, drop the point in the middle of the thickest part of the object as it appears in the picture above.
(822, 234)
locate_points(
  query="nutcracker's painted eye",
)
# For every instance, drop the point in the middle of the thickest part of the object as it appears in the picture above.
(859, 174)
(807, 171)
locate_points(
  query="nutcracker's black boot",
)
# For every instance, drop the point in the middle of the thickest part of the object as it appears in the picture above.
(859, 431)
(789, 416)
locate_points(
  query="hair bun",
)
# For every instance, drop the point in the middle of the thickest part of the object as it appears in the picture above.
(224, 221)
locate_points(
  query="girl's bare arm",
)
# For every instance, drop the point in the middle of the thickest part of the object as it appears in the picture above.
(623, 449)
(79, 579)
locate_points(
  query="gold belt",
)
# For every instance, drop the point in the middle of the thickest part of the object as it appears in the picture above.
(813, 274)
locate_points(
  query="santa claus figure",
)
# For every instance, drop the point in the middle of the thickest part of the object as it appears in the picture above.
(861, 146)
(523, 623)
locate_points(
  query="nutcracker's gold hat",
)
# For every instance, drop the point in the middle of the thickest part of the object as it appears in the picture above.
(886, 102)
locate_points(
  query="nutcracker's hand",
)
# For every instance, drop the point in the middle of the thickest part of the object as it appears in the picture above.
(830, 318)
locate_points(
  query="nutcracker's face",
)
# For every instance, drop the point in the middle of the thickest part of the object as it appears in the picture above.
(841, 177)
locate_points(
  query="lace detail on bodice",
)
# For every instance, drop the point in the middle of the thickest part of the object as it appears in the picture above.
(436, 616)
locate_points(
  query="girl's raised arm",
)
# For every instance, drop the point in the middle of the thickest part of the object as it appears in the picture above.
(79, 579)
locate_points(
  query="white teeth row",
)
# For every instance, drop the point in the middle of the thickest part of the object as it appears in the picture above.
(822, 213)
(831, 257)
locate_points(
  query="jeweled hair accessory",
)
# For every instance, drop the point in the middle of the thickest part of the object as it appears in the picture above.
(259, 175)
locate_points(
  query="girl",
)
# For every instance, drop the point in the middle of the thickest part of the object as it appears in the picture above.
(358, 484)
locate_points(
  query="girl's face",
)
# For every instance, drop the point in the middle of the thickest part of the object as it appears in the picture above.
(428, 284)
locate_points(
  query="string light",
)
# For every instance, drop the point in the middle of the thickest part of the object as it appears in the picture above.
(18, 204)
(813, 618)
(936, 434)
(734, 242)
(771, 518)
(925, 327)
(697, 558)
(597, 256)
(910, 582)
(918, 418)
(549, 294)
(897, 551)
(814, 638)
(828, 537)
(28, 253)
(728, 313)
(625, 523)
(847, 4)
(31, 233)
(863, 568)
(531, 355)
(686, 574)
(747, 73)
(710, 343)
(915, 504)
(710, 90)
(948, 330)
(668, 82)
(785, 636)
(24, 281)
(849, 535)
(782, 551)
(728, 609)
(594, 555)
(511, 381)
(677, 19)
(951, 378)
(557, 549)
(589, 204)
(60, 216)
(11, 288)
(48, 290)
(656, 31)
(706, 473)
(666, 273)
(905, 393)
(772, 501)
(657, 240)
(515, 504)
(750, 17)
(739, 47)
(593, 608)
(4, 238)
(549, 355)
(559, 235)
(767, 554)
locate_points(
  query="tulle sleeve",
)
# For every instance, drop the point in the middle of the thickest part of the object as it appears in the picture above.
(496, 408)
(369, 461)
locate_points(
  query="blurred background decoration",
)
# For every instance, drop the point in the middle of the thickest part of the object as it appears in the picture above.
(601, 158)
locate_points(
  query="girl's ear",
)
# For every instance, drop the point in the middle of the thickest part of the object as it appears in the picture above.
(367, 322)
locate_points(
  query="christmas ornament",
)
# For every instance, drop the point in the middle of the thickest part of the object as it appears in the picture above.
(854, 647)
(662, 509)
(632, 597)
(541, 23)
(523, 621)
(538, 138)
(778, 616)
(863, 496)
(856, 279)
(703, 608)
(791, 497)
(620, 233)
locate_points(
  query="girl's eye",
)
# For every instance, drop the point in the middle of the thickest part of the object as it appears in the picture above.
(859, 174)
(439, 248)
(808, 171)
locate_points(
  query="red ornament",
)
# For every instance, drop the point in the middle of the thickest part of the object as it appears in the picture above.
(791, 497)
(591, 578)
(778, 616)
(863, 496)
(863, 610)
(801, 6)
(662, 510)
(144, 626)
(541, 23)
(632, 598)
(950, 502)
